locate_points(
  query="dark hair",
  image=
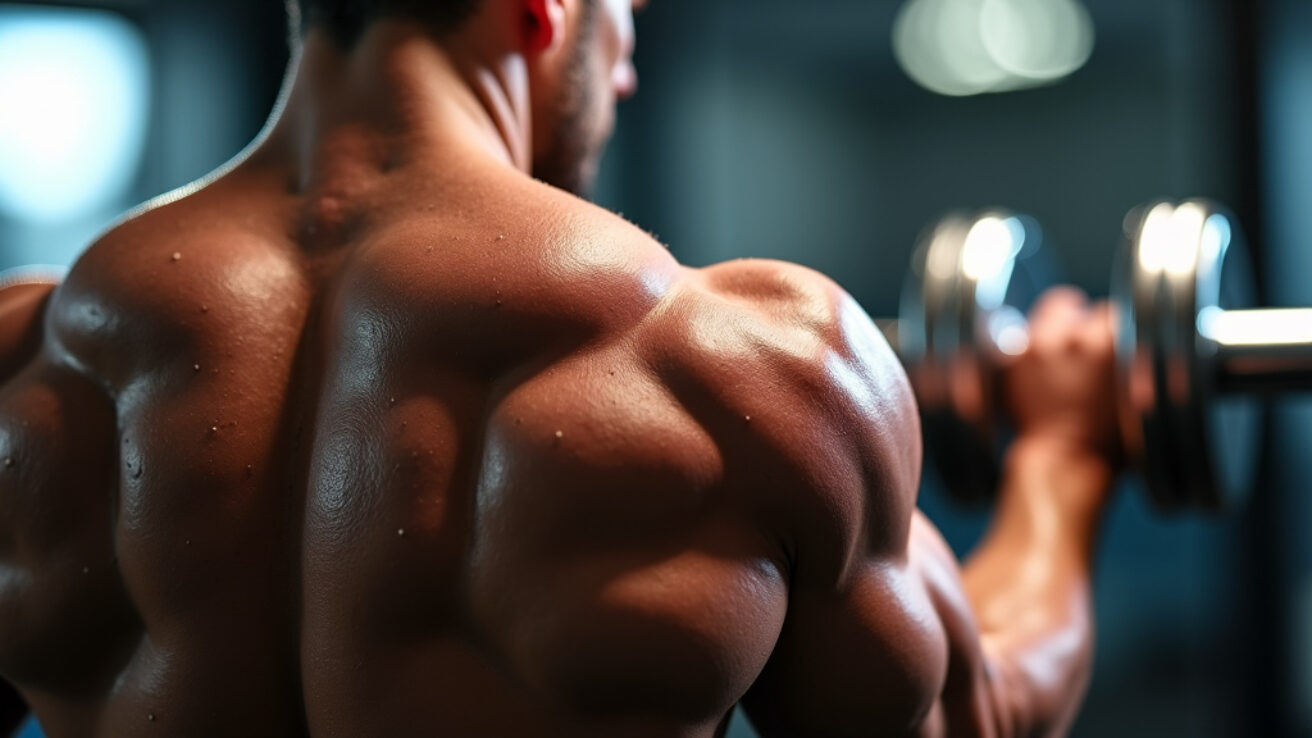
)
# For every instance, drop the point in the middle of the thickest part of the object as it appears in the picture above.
(346, 20)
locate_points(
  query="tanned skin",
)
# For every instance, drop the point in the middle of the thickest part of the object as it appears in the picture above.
(375, 434)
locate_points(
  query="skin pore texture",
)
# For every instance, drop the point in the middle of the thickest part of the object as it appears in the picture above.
(375, 434)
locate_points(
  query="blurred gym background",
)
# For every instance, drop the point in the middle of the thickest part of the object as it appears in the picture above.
(804, 131)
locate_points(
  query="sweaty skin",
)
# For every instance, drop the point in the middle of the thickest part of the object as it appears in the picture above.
(376, 435)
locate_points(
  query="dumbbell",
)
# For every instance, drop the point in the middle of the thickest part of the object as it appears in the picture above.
(959, 321)
(1190, 364)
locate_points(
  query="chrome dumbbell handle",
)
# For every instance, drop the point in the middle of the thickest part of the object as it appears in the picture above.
(1259, 351)
(1006, 331)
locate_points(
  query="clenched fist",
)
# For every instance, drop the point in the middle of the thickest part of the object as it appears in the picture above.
(1063, 388)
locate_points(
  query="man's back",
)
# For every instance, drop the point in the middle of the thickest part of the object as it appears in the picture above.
(317, 460)
(376, 435)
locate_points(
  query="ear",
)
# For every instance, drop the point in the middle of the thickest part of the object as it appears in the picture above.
(544, 24)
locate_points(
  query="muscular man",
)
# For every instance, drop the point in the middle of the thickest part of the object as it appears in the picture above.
(376, 434)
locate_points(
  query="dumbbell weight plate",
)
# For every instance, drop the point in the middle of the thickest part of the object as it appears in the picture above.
(957, 323)
(1196, 448)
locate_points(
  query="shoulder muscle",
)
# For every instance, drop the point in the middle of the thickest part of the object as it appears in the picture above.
(786, 351)
(834, 438)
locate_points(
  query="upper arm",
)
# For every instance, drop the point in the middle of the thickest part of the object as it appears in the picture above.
(879, 637)
(867, 658)
(891, 650)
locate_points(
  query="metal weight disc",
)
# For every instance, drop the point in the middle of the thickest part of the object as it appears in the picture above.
(957, 323)
(1196, 449)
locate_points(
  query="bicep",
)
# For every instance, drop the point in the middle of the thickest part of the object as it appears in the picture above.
(894, 652)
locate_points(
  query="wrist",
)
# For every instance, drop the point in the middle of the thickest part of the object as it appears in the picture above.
(1060, 485)
(1044, 449)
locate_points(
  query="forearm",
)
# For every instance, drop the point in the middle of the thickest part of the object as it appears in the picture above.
(1029, 585)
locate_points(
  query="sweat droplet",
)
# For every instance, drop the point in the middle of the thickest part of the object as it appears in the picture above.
(560, 435)
(400, 531)
(176, 257)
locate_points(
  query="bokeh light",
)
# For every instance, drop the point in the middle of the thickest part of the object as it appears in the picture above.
(75, 92)
(970, 47)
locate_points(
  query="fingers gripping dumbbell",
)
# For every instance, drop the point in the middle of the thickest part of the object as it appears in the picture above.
(1189, 362)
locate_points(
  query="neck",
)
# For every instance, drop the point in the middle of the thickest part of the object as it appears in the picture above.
(397, 95)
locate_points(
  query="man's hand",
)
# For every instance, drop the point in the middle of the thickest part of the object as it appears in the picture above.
(1063, 389)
